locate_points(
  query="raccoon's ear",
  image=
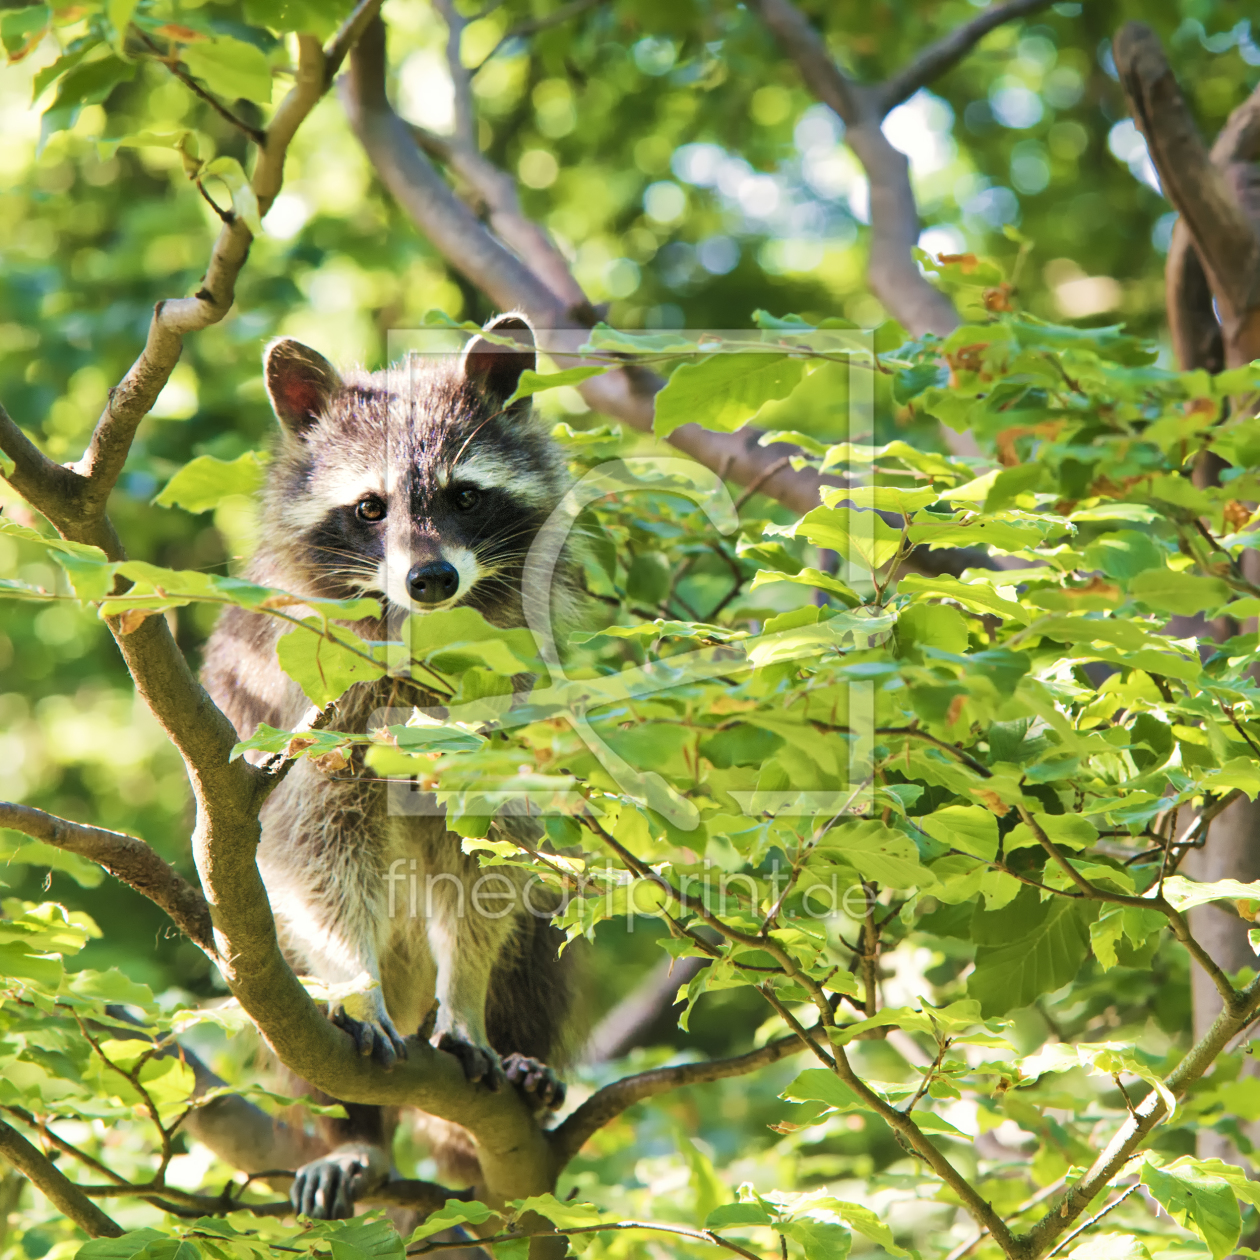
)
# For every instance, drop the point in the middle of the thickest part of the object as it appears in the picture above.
(300, 382)
(497, 369)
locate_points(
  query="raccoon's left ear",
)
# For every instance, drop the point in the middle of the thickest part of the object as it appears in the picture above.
(497, 369)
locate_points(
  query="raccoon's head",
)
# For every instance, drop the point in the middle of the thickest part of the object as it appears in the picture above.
(419, 483)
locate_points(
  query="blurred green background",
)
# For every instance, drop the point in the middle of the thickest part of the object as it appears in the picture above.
(690, 179)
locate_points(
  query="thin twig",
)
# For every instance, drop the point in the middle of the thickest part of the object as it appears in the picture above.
(171, 62)
(1093, 1220)
(531, 26)
(777, 466)
(947, 51)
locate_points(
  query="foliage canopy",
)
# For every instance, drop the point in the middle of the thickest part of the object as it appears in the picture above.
(922, 819)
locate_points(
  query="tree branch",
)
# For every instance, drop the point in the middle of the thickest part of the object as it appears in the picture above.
(894, 275)
(1223, 235)
(941, 56)
(74, 499)
(1146, 1115)
(607, 1104)
(1192, 322)
(124, 857)
(531, 26)
(60, 1191)
(532, 275)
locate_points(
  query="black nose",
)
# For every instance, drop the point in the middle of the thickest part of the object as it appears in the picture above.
(434, 582)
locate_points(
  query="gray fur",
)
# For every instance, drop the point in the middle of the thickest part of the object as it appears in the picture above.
(411, 437)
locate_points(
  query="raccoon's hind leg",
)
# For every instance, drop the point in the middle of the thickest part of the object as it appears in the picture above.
(327, 1188)
(469, 918)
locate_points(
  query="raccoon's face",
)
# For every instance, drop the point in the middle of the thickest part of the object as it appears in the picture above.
(416, 484)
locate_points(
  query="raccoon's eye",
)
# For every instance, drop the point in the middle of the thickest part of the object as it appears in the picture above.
(467, 499)
(370, 509)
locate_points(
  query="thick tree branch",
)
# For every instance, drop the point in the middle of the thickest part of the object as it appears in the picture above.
(941, 56)
(124, 857)
(1224, 237)
(894, 275)
(607, 1104)
(60, 1191)
(512, 284)
(1192, 322)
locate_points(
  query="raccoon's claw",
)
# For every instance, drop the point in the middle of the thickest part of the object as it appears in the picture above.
(377, 1038)
(326, 1188)
(480, 1063)
(536, 1080)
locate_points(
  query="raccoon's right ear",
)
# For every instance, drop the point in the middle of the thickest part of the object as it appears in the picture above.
(300, 383)
(497, 369)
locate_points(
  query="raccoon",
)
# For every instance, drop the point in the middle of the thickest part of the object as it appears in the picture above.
(426, 496)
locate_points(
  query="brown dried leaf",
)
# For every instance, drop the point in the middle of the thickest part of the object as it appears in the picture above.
(129, 621)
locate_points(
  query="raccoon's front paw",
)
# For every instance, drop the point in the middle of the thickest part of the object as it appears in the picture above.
(376, 1037)
(480, 1063)
(326, 1188)
(540, 1085)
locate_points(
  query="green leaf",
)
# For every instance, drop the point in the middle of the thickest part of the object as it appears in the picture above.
(724, 391)
(1184, 894)
(811, 445)
(1182, 593)
(1125, 554)
(814, 578)
(978, 596)
(230, 171)
(877, 853)
(1197, 1200)
(820, 1085)
(456, 639)
(863, 1221)
(902, 499)
(119, 13)
(820, 1240)
(130, 1244)
(111, 986)
(730, 1214)
(1110, 1247)
(17, 962)
(1069, 831)
(1010, 483)
(205, 482)
(535, 382)
(860, 537)
(561, 1215)
(971, 828)
(22, 29)
(87, 83)
(1029, 963)
(231, 68)
(326, 663)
